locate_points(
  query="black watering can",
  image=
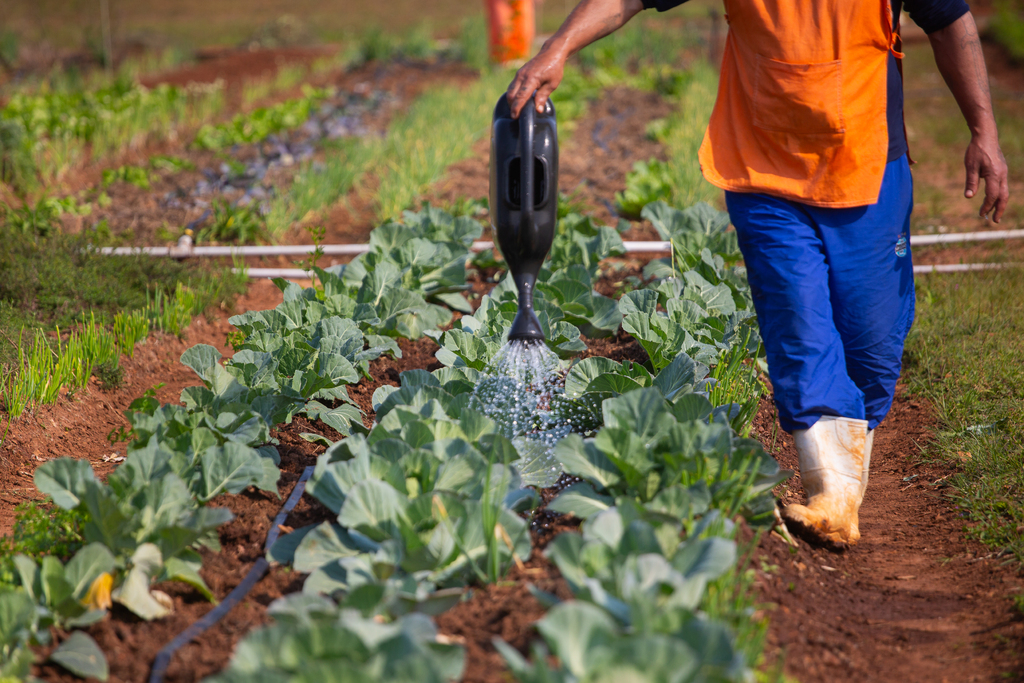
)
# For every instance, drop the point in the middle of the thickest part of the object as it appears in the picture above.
(524, 200)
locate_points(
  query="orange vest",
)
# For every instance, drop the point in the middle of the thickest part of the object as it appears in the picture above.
(801, 104)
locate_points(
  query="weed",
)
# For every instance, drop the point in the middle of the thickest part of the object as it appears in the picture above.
(170, 164)
(133, 175)
(172, 313)
(1018, 601)
(110, 374)
(120, 435)
(316, 235)
(40, 528)
(17, 165)
(129, 330)
(234, 223)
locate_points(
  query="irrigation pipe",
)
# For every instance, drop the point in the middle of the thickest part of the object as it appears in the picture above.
(163, 658)
(300, 274)
(963, 267)
(185, 249)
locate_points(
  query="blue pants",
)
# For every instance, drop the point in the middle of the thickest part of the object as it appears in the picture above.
(834, 295)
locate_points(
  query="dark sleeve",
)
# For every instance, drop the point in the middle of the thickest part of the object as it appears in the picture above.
(664, 5)
(935, 15)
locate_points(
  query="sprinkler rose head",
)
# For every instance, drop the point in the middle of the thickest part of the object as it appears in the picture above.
(524, 200)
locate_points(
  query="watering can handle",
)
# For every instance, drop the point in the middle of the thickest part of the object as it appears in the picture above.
(526, 126)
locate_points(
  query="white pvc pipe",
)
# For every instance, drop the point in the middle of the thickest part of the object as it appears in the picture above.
(286, 273)
(919, 240)
(637, 247)
(962, 267)
(300, 274)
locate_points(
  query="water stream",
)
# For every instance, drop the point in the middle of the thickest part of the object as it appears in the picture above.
(523, 384)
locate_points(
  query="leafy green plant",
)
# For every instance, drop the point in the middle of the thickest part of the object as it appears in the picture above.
(259, 123)
(639, 590)
(133, 175)
(694, 229)
(145, 518)
(41, 219)
(592, 647)
(580, 241)
(234, 223)
(311, 636)
(648, 182)
(665, 455)
(60, 123)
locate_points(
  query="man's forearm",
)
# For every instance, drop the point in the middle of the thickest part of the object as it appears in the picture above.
(962, 64)
(592, 20)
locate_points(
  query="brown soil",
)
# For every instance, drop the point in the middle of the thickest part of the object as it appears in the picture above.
(506, 610)
(136, 216)
(913, 601)
(79, 426)
(620, 348)
(234, 67)
(912, 598)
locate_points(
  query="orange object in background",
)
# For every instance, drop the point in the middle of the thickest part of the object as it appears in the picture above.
(512, 29)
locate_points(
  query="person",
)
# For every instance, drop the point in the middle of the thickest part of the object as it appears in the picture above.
(808, 142)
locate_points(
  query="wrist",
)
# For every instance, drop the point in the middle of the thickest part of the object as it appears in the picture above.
(557, 46)
(983, 131)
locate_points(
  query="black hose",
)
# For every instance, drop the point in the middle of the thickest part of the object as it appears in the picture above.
(259, 568)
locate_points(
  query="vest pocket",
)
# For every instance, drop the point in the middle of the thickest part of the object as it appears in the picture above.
(799, 99)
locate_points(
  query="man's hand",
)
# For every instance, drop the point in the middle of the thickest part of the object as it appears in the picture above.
(589, 21)
(962, 64)
(984, 159)
(542, 74)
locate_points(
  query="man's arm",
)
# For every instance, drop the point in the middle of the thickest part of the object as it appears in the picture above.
(960, 60)
(589, 21)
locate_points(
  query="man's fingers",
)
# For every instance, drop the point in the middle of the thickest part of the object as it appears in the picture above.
(971, 188)
(543, 93)
(990, 200)
(526, 89)
(1001, 201)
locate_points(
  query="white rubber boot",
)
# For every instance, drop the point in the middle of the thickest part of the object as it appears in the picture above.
(834, 459)
(869, 441)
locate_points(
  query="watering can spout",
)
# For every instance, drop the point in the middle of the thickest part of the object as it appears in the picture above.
(526, 325)
(524, 200)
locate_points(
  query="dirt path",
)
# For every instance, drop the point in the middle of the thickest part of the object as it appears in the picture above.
(913, 601)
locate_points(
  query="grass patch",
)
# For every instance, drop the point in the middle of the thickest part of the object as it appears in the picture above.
(964, 354)
(1008, 27)
(439, 129)
(55, 281)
